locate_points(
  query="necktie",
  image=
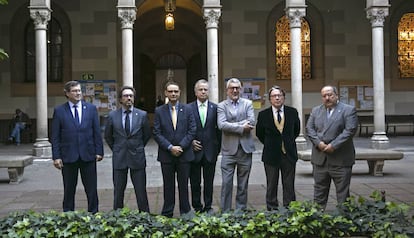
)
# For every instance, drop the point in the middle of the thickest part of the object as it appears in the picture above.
(329, 112)
(174, 117)
(127, 123)
(202, 114)
(75, 108)
(279, 118)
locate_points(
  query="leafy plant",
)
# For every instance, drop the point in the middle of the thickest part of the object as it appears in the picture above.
(370, 218)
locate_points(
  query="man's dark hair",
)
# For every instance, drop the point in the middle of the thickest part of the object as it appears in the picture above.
(126, 87)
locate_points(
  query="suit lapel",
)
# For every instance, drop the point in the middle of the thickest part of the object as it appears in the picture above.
(210, 113)
(70, 114)
(197, 114)
(84, 113)
(135, 121)
(119, 120)
(272, 120)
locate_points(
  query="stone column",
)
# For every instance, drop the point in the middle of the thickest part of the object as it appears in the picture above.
(376, 14)
(212, 15)
(295, 15)
(41, 16)
(127, 16)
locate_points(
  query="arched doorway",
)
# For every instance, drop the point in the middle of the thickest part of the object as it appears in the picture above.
(182, 50)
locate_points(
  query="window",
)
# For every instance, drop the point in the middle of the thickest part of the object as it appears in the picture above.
(54, 52)
(282, 52)
(406, 46)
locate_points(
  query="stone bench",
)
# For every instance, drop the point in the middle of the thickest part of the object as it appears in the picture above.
(15, 165)
(375, 158)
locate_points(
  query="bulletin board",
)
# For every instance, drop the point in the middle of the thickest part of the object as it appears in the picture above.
(101, 93)
(253, 89)
(358, 93)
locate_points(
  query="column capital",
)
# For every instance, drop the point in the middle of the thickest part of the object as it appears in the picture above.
(295, 15)
(127, 15)
(212, 16)
(40, 16)
(377, 15)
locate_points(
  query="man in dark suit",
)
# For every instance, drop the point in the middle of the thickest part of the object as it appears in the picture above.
(174, 130)
(235, 118)
(127, 132)
(206, 147)
(277, 128)
(77, 145)
(331, 127)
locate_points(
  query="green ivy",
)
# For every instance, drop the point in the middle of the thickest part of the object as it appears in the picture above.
(357, 217)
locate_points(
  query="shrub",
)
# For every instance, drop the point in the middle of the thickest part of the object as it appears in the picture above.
(358, 216)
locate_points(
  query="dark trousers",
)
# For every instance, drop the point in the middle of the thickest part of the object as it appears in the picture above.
(288, 170)
(89, 181)
(195, 180)
(323, 175)
(139, 180)
(168, 174)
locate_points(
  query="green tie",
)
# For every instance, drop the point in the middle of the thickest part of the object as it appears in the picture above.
(202, 114)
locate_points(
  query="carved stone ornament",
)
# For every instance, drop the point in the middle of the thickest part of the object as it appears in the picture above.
(377, 16)
(295, 15)
(40, 18)
(211, 17)
(127, 17)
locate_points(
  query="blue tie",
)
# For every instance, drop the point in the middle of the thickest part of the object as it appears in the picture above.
(75, 107)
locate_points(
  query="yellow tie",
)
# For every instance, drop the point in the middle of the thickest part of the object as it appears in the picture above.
(174, 117)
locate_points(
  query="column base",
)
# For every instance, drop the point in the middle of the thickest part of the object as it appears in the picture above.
(301, 143)
(42, 148)
(380, 141)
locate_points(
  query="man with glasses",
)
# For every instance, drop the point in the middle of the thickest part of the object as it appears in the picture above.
(127, 132)
(277, 128)
(236, 120)
(77, 146)
(174, 130)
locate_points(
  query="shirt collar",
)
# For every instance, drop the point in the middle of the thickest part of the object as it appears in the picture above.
(79, 104)
(199, 103)
(282, 109)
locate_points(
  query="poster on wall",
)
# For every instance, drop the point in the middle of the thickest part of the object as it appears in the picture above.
(359, 94)
(253, 89)
(101, 93)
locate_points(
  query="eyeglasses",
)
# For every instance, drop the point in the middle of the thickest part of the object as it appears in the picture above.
(128, 95)
(276, 96)
(75, 91)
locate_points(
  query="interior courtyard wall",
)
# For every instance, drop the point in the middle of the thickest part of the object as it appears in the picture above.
(242, 42)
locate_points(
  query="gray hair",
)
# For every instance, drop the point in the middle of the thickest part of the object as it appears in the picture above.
(233, 80)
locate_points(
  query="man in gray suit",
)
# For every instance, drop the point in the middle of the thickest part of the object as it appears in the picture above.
(235, 118)
(127, 132)
(331, 128)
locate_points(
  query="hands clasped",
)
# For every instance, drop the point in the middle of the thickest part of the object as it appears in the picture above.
(176, 150)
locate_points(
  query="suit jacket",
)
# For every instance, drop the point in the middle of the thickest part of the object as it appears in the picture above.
(230, 122)
(209, 135)
(272, 139)
(128, 151)
(71, 141)
(165, 135)
(338, 130)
